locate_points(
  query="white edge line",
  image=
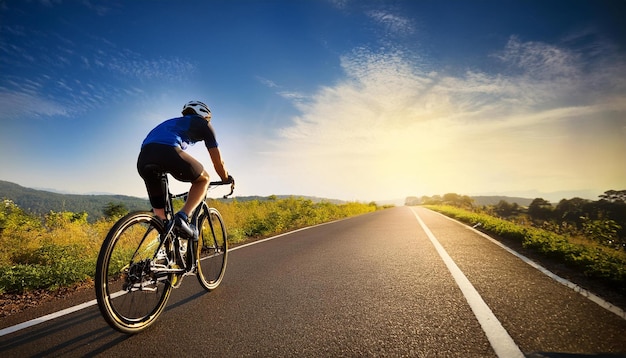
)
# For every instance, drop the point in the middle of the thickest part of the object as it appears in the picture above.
(281, 235)
(45, 318)
(591, 296)
(51, 316)
(499, 338)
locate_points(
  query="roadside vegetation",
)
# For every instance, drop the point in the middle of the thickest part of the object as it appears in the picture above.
(60, 249)
(588, 236)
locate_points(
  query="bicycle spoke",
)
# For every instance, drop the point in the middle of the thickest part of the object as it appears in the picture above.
(130, 293)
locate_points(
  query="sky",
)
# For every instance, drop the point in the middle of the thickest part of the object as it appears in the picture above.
(355, 100)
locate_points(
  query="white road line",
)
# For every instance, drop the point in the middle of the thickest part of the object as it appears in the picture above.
(51, 316)
(45, 318)
(500, 340)
(591, 296)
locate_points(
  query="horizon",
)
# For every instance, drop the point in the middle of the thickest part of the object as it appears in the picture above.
(554, 197)
(350, 100)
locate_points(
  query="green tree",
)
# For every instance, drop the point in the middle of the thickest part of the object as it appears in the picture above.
(14, 218)
(572, 210)
(460, 201)
(505, 209)
(55, 220)
(18, 229)
(612, 206)
(614, 196)
(113, 211)
(540, 209)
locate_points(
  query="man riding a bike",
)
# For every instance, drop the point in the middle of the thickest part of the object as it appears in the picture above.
(164, 147)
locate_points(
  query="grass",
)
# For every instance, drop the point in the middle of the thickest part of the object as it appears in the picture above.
(60, 249)
(587, 256)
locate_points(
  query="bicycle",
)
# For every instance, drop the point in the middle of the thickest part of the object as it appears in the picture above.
(143, 258)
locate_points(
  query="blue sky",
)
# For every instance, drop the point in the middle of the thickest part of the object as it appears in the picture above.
(346, 99)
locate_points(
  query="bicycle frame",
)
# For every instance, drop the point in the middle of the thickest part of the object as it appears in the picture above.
(169, 208)
(190, 262)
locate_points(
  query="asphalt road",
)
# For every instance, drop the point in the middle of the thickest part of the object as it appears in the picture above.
(399, 282)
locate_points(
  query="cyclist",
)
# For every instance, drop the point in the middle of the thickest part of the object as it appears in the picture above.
(164, 147)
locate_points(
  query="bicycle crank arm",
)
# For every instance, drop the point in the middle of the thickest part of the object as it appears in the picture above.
(138, 287)
(158, 270)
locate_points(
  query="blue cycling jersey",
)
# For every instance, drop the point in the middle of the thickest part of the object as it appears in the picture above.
(182, 131)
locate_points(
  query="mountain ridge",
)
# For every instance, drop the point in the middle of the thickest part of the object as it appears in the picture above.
(42, 201)
(495, 199)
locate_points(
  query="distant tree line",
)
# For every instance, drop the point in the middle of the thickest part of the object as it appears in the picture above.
(462, 201)
(40, 202)
(604, 220)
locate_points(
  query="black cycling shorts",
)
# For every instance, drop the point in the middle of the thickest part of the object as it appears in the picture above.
(167, 159)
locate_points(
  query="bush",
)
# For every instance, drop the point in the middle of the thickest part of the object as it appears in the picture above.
(587, 256)
(51, 266)
(61, 248)
(263, 218)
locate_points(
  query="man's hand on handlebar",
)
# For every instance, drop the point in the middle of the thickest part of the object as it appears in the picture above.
(230, 180)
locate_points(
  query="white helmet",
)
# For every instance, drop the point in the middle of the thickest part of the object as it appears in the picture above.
(199, 108)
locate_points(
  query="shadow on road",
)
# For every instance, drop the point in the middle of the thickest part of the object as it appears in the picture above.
(83, 333)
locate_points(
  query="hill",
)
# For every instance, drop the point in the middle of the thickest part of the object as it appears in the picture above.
(493, 200)
(314, 199)
(41, 202)
(479, 200)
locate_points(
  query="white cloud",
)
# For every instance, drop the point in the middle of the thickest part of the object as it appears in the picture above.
(133, 64)
(294, 96)
(290, 95)
(60, 78)
(17, 105)
(392, 23)
(540, 59)
(340, 4)
(267, 82)
(392, 128)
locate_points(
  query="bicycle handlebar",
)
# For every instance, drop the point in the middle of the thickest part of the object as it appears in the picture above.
(216, 183)
(230, 181)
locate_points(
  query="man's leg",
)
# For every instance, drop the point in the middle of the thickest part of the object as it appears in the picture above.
(196, 193)
(160, 213)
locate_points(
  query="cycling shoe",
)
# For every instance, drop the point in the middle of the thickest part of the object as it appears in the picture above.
(188, 230)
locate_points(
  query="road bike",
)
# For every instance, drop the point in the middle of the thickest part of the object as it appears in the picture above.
(143, 258)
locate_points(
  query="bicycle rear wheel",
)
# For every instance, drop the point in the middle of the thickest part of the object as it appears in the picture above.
(130, 294)
(211, 249)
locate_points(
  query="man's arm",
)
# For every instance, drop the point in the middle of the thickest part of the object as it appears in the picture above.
(218, 163)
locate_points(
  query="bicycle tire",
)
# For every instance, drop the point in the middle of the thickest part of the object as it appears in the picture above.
(211, 249)
(129, 295)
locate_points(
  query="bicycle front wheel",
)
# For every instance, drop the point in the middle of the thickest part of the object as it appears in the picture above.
(211, 249)
(130, 294)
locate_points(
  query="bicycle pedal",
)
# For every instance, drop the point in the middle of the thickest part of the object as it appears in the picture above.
(141, 286)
